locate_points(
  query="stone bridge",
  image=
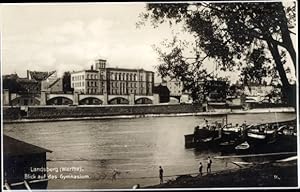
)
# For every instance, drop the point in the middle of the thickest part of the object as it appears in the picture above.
(88, 99)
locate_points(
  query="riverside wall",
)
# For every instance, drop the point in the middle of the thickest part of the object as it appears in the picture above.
(11, 113)
(54, 112)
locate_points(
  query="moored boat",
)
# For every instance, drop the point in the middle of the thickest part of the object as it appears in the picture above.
(203, 137)
(242, 148)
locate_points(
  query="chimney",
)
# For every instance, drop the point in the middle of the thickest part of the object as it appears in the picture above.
(92, 68)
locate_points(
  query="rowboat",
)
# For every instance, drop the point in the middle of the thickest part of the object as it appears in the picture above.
(243, 146)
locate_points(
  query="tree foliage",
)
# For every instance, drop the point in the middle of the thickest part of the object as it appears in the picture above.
(252, 36)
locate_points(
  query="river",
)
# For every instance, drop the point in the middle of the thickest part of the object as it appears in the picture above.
(133, 147)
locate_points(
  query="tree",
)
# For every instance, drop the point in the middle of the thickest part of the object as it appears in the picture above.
(257, 34)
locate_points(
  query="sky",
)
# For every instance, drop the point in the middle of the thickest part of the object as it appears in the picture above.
(70, 37)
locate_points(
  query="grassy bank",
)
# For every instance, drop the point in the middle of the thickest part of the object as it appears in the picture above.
(267, 175)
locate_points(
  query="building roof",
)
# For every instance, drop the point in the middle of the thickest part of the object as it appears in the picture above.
(86, 70)
(126, 69)
(54, 82)
(10, 76)
(40, 76)
(13, 147)
(25, 80)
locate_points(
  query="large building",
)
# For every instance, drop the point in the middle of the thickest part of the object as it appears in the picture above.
(86, 81)
(113, 81)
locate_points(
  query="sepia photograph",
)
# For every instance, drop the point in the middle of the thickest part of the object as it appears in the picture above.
(189, 95)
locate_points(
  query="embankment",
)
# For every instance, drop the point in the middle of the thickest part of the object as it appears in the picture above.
(62, 113)
(55, 112)
(266, 175)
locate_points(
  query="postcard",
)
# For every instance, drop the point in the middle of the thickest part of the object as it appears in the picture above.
(149, 95)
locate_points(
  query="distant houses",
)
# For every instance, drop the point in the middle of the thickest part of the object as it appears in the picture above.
(95, 86)
(102, 85)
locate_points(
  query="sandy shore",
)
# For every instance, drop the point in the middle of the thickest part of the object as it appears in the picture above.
(267, 175)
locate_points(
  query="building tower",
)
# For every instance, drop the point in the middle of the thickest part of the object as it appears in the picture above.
(100, 65)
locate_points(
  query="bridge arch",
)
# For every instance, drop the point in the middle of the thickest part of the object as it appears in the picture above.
(60, 100)
(25, 100)
(90, 101)
(118, 100)
(143, 100)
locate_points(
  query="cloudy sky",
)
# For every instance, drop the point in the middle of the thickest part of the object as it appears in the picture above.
(69, 37)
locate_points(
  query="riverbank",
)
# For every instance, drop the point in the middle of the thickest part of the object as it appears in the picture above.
(264, 175)
(51, 114)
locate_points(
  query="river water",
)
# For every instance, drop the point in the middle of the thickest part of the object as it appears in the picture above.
(133, 147)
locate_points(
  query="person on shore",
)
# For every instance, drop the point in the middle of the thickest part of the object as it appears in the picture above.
(114, 175)
(200, 169)
(206, 124)
(161, 175)
(209, 162)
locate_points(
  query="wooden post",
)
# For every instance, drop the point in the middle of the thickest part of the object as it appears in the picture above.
(27, 186)
(7, 186)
